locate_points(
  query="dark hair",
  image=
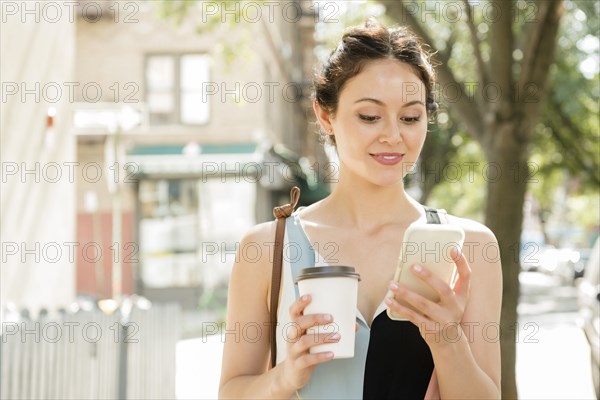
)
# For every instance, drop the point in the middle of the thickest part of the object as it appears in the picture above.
(363, 44)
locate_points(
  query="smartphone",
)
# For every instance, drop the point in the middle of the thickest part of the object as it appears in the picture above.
(428, 245)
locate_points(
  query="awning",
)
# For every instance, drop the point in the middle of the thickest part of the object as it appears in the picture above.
(206, 161)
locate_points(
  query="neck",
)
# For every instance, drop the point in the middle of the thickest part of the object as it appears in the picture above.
(366, 206)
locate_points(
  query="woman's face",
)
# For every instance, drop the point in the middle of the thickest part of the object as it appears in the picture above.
(381, 122)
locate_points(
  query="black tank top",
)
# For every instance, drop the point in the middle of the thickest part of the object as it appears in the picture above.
(399, 363)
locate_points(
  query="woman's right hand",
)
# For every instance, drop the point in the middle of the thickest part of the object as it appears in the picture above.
(299, 364)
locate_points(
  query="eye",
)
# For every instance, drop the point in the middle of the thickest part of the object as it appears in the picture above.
(368, 118)
(411, 120)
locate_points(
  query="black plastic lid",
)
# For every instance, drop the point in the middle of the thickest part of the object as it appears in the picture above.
(327, 272)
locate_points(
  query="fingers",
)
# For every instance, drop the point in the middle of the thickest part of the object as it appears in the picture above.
(297, 307)
(303, 322)
(308, 360)
(305, 342)
(300, 339)
(445, 292)
(300, 350)
(463, 283)
(424, 305)
(400, 309)
(452, 300)
(313, 339)
(441, 287)
(300, 334)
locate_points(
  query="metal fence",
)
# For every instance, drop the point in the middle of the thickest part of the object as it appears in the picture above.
(129, 354)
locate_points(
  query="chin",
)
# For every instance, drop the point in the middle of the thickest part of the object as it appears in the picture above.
(387, 181)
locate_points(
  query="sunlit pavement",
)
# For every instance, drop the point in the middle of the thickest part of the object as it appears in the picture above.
(558, 367)
(199, 367)
(553, 356)
(553, 359)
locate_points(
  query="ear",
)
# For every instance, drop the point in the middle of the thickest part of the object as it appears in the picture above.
(323, 116)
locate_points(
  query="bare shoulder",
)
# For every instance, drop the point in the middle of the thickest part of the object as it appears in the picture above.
(474, 231)
(254, 260)
(480, 248)
(263, 231)
(256, 246)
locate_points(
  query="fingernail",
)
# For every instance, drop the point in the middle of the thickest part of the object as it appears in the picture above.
(327, 317)
(388, 300)
(304, 297)
(335, 336)
(393, 286)
(327, 355)
(417, 268)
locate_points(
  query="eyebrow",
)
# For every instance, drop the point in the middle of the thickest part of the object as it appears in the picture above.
(381, 103)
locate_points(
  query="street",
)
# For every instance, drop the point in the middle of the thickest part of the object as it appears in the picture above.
(553, 360)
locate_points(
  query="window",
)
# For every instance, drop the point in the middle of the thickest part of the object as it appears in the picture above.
(188, 239)
(174, 89)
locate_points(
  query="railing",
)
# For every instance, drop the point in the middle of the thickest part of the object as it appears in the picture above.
(129, 354)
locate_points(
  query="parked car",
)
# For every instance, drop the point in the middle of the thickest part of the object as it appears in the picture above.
(579, 265)
(559, 262)
(589, 309)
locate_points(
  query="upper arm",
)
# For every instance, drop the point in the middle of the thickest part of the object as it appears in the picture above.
(481, 318)
(246, 337)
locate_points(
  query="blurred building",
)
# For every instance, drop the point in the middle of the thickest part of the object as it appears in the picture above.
(37, 152)
(184, 125)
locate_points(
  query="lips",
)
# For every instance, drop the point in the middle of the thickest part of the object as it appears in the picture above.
(387, 158)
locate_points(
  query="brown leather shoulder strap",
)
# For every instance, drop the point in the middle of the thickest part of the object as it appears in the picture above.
(281, 213)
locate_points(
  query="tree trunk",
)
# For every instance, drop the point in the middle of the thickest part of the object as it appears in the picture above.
(435, 157)
(427, 186)
(430, 169)
(507, 177)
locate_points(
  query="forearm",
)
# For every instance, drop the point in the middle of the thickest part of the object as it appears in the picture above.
(269, 385)
(459, 376)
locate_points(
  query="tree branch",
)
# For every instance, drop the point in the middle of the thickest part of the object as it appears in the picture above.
(463, 106)
(481, 70)
(444, 56)
(538, 56)
(501, 59)
(579, 155)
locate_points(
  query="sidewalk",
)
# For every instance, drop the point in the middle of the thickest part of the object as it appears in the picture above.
(557, 366)
(198, 368)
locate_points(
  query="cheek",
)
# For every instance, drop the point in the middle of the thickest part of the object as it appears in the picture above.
(355, 136)
(417, 136)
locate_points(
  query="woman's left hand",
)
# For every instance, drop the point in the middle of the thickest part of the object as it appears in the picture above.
(435, 320)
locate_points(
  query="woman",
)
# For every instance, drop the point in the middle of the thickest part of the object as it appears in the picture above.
(372, 100)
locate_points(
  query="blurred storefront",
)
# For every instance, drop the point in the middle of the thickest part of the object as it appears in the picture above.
(186, 152)
(191, 211)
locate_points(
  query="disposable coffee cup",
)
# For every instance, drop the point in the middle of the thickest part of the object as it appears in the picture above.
(333, 290)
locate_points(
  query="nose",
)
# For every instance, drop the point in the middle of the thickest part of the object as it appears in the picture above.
(392, 133)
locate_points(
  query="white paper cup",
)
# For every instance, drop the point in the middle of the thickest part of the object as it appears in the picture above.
(334, 290)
